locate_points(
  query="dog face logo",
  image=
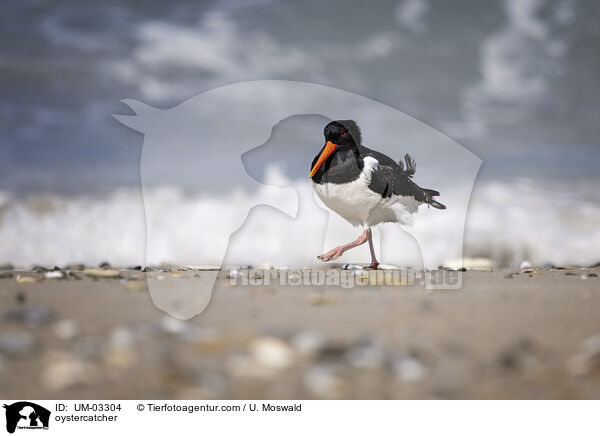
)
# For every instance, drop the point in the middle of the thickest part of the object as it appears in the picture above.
(26, 415)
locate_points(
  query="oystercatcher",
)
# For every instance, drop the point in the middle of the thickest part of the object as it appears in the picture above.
(364, 186)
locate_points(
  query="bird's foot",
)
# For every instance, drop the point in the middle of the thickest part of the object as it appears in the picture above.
(373, 265)
(331, 254)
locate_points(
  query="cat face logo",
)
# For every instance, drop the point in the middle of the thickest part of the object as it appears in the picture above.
(26, 415)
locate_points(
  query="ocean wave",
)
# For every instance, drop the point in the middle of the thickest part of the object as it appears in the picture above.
(508, 222)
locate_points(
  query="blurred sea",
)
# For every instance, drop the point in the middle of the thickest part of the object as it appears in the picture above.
(517, 82)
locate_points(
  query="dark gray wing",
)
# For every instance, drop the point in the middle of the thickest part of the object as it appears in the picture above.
(389, 178)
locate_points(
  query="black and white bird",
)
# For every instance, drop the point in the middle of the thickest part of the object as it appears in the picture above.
(364, 186)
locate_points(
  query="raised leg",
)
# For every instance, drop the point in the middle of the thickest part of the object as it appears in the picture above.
(374, 263)
(338, 251)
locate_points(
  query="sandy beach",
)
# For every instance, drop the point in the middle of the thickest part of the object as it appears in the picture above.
(507, 334)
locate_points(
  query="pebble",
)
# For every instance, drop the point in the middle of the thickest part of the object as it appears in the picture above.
(409, 368)
(201, 268)
(235, 274)
(29, 314)
(324, 381)
(271, 352)
(525, 264)
(350, 267)
(268, 266)
(55, 275)
(173, 326)
(67, 329)
(16, 342)
(307, 342)
(65, 371)
(121, 337)
(102, 273)
(366, 355)
(387, 267)
(243, 365)
(27, 279)
(476, 263)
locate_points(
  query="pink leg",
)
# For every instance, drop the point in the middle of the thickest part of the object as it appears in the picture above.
(338, 251)
(374, 263)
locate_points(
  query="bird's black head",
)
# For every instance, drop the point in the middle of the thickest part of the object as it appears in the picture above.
(339, 135)
(343, 133)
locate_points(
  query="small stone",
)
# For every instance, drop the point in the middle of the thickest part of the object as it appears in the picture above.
(271, 352)
(366, 355)
(472, 263)
(463, 269)
(27, 279)
(66, 329)
(102, 273)
(350, 267)
(592, 275)
(66, 371)
(525, 264)
(307, 342)
(201, 268)
(120, 357)
(235, 274)
(570, 274)
(324, 382)
(527, 271)
(16, 342)
(121, 337)
(55, 275)
(104, 265)
(29, 314)
(243, 365)
(409, 368)
(173, 326)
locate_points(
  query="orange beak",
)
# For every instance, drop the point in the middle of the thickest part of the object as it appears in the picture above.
(327, 151)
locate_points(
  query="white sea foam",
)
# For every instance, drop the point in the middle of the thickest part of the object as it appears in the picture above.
(538, 223)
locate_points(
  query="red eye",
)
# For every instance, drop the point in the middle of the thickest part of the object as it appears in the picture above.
(343, 134)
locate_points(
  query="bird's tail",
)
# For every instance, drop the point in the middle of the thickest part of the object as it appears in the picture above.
(429, 194)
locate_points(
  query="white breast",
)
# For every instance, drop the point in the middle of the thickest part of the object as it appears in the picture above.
(360, 206)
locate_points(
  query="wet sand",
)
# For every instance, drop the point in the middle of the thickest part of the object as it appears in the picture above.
(505, 335)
